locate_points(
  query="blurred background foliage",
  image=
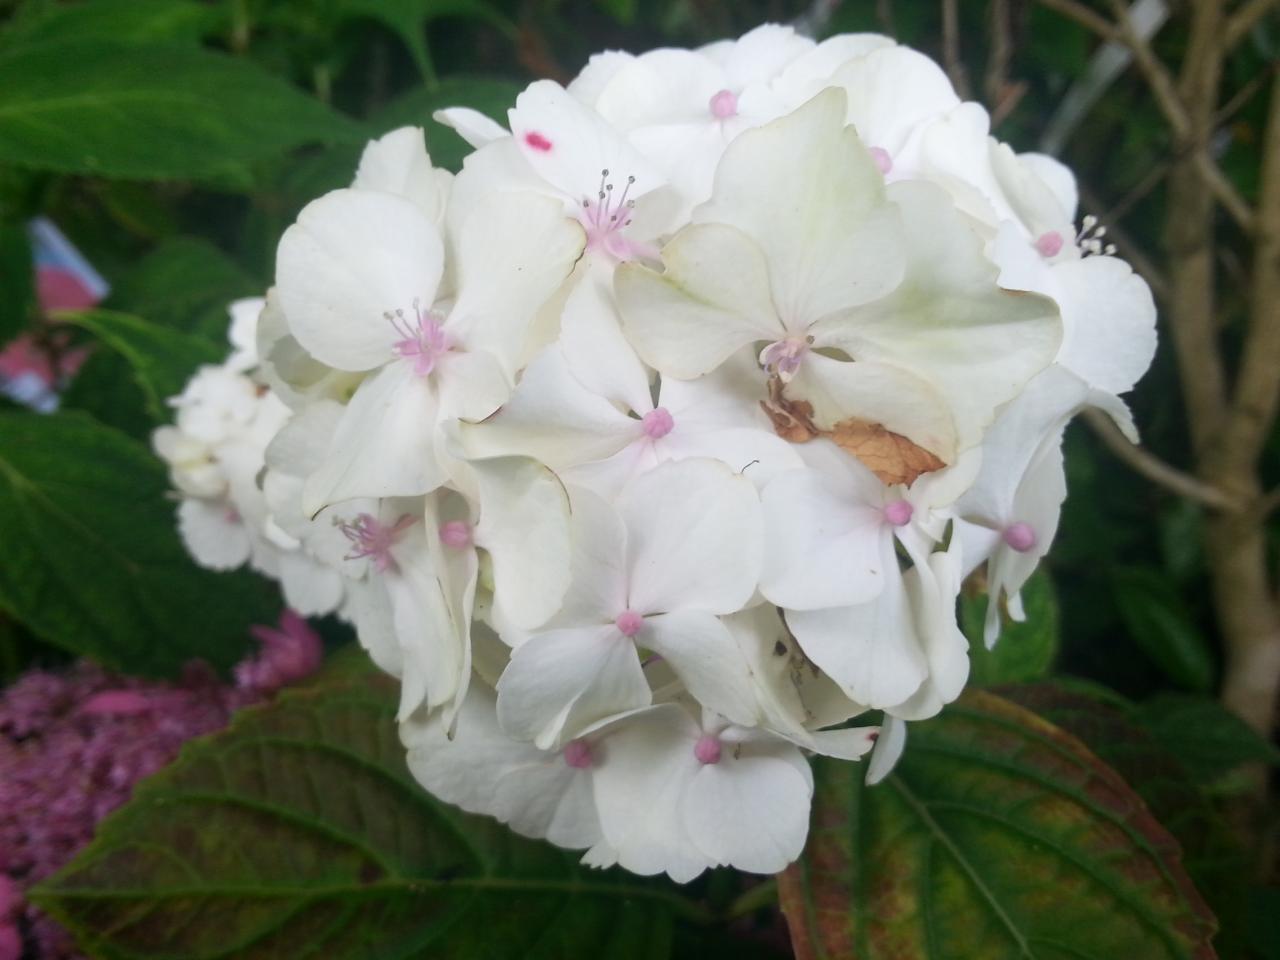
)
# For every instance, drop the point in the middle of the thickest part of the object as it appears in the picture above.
(174, 140)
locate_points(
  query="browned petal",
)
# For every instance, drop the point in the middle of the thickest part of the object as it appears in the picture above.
(890, 456)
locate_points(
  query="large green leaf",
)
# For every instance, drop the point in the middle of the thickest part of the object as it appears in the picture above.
(408, 19)
(300, 833)
(1209, 739)
(150, 111)
(161, 360)
(1026, 650)
(1160, 624)
(17, 289)
(92, 561)
(999, 835)
(136, 21)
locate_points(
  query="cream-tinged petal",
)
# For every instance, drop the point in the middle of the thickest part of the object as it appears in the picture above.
(597, 354)
(398, 163)
(352, 257)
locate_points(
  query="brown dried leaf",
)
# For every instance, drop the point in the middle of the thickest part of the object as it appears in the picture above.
(890, 456)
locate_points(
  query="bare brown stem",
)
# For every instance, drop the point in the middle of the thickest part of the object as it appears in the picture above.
(1245, 19)
(1162, 474)
(951, 47)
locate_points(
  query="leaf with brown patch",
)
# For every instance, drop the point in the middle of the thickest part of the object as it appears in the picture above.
(998, 836)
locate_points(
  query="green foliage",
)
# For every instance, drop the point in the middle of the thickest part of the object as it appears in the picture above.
(1025, 651)
(1211, 741)
(160, 359)
(489, 95)
(16, 279)
(999, 835)
(92, 561)
(1160, 624)
(133, 21)
(126, 110)
(300, 832)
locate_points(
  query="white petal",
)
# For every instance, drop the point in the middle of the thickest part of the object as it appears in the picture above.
(561, 681)
(511, 253)
(472, 383)
(1109, 322)
(871, 650)
(933, 587)
(398, 163)
(569, 144)
(351, 257)
(828, 238)
(471, 125)
(311, 588)
(524, 524)
(751, 810)
(694, 538)
(707, 660)
(890, 93)
(822, 543)
(384, 445)
(213, 533)
(598, 584)
(712, 300)
(595, 350)
(889, 747)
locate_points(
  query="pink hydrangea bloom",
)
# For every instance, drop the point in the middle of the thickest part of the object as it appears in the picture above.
(73, 744)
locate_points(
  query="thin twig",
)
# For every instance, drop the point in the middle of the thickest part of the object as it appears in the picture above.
(1244, 95)
(951, 47)
(1244, 20)
(1154, 469)
(1267, 504)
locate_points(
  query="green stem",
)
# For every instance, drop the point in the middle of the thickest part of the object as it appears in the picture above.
(761, 895)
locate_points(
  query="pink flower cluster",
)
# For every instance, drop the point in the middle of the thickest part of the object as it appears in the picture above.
(74, 743)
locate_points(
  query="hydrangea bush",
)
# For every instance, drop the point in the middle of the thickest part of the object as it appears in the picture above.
(651, 450)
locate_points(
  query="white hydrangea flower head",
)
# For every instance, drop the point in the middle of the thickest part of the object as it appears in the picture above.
(651, 450)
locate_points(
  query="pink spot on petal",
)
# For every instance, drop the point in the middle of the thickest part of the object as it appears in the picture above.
(1048, 244)
(724, 105)
(629, 622)
(883, 162)
(1020, 536)
(537, 141)
(577, 754)
(455, 534)
(707, 749)
(658, 422)
(898, 513)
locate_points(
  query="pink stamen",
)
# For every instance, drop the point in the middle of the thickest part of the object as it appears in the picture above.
(577, 754)
(606, 216)
(455, 534)
(422, 339)
(537, 141)
(629, 622)
(1049, 244)
(784, 357)
(1020, 536)
(658, 422)
(724, 105)
(374, 539)
(898, 513)
(883, 162)
(707, 749)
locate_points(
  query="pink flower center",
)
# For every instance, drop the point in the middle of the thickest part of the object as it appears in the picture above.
(883, 162)
(422, 339)
(629, 622)
(374, 539)
(898, 513)
(1020, 536)
(658, 422)
(784, 357)
(724, 105)
(455, 534)
(1049, 244)
(707, 749)
(577, 754)
(605, 217)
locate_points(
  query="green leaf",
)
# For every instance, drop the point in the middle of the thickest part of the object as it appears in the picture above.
(161, 360)
(105, 388)
(408, 19)
(492, 96)
(153, 111)
(186, 283)
(1159, 623)
(132, 21)
(1211, 740)
(17, 280)
(1025, 651)
(92, 561)
(998, 836)
(299, 832)
(624, 11)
